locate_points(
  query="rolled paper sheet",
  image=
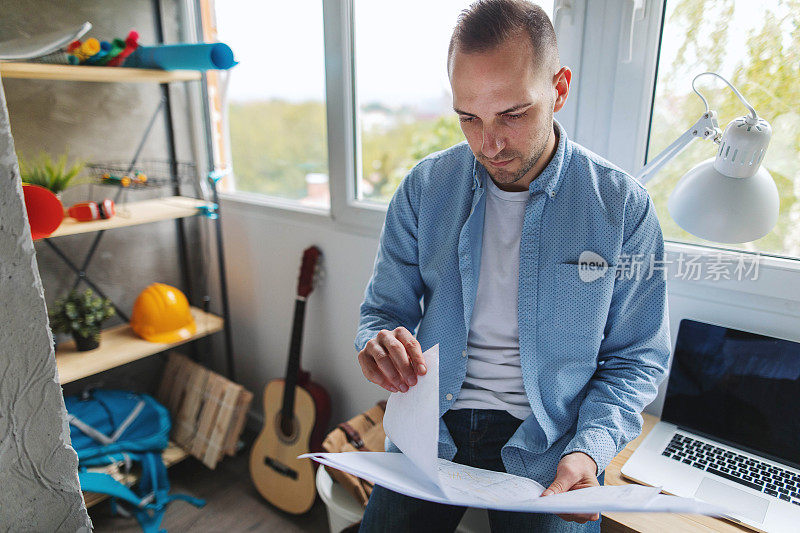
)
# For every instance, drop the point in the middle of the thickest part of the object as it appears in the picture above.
(105, 47)
(197, 56)
(117, 45)
(89, 48)
(131, 43)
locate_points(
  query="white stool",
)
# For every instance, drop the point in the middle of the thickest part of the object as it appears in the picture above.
(344, 511)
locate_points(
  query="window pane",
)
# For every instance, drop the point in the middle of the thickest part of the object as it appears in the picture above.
(756, 46)
(403, 94)
(276, 98)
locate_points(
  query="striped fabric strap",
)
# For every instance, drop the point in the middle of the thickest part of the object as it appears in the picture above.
(102, 437)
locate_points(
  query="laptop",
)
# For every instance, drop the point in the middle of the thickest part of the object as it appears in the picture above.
(730, 429)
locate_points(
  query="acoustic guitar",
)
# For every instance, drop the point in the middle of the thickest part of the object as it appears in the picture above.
(296, 415)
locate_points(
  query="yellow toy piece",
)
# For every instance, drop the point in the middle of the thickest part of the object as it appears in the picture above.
(89, 48)
(161, 314)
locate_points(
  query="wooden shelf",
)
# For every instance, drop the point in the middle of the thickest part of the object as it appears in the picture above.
(135, 213)
(120, 345)
(173, 454)
(45, 71)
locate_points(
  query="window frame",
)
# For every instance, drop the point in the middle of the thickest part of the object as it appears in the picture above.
(344, 146)
(595, 53)
(347, 212)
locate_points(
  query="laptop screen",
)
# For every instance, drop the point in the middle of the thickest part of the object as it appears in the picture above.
(737, 387)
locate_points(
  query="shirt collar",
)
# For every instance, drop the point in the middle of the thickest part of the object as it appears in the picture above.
(549, 180)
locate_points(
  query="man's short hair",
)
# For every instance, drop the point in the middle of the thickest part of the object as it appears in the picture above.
(487, 23)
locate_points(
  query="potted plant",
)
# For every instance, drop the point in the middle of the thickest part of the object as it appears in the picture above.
(45, 172)
(81, 313)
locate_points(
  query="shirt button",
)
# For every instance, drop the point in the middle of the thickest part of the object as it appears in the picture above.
(464, 353)
(448, 397)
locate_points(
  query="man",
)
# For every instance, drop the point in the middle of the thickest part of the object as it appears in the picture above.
(545, 364)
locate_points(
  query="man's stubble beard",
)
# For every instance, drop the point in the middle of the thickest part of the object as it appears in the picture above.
(503, 177)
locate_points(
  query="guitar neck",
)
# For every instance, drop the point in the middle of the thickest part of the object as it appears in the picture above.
(293, 365)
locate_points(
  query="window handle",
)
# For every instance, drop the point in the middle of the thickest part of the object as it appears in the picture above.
(626, 31)
(562, 8)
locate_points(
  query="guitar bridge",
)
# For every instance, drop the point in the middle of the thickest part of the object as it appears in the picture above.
(280, 468)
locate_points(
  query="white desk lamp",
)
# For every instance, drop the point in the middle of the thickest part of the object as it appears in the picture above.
(730, 198)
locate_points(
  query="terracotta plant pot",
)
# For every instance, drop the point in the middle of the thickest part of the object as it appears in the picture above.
(84, 344)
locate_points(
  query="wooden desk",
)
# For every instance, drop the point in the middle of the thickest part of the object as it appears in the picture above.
(655, 522)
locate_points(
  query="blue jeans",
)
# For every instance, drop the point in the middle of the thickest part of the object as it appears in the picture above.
(479, 436)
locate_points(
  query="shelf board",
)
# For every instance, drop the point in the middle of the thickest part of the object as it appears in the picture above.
(172, 454)
(46, 71)
(120, 345)
(135, 213)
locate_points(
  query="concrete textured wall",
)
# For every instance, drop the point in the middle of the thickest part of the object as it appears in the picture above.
(92, 122)
(38, 467)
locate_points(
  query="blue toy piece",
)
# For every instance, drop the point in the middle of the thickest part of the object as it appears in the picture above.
(192, 56)
(208, 211)
(107, 426)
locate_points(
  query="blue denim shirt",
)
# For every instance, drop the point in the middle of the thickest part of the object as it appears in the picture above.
(592, 353)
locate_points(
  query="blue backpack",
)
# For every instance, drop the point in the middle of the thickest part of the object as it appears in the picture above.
(109, 426)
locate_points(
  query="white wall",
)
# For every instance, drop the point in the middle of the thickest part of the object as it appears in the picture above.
(263, 251)
(264, 245)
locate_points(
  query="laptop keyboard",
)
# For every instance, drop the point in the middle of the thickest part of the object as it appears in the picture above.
(763, 477)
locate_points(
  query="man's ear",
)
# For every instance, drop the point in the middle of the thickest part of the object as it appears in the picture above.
(561, 82)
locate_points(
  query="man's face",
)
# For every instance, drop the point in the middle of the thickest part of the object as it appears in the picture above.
(505, 105)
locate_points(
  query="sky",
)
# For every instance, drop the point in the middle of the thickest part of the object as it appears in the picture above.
(401, 48)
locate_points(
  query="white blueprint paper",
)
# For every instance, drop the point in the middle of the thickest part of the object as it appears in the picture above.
(411, 420)
(412, 423)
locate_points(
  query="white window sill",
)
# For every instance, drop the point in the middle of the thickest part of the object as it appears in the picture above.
(358, 218)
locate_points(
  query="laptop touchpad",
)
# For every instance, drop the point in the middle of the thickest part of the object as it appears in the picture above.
(738, 501)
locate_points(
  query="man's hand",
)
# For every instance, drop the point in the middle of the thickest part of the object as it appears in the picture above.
(575, 471)
(393, 360)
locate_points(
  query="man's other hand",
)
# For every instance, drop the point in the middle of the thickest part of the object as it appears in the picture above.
(393, 360)
(575, 471)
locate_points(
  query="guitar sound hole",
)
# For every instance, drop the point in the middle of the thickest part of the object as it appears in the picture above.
(287, 429)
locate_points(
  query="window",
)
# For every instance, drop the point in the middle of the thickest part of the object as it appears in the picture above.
(756, 46)
(276, 99)
(404, 103)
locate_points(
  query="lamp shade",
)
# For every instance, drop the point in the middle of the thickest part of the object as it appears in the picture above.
(720, 208)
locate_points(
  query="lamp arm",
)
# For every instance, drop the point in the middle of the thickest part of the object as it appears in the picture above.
(706, 127)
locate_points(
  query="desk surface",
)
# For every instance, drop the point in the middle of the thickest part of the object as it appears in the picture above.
(655, 522)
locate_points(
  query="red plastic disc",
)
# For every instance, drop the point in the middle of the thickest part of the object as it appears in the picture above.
(45, 211)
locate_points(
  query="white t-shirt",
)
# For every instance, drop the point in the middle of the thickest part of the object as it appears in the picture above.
(494, 375)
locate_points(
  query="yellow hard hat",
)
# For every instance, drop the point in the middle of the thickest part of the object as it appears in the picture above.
(161, 314)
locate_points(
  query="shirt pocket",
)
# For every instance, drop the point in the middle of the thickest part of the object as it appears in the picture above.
(580, 302)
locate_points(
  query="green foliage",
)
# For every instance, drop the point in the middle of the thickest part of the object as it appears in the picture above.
(388, 155)
(44, 171)
(81, 313)
(274, 144)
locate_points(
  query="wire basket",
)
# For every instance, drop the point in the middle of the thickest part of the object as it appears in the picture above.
(142, 175)
(59, 57)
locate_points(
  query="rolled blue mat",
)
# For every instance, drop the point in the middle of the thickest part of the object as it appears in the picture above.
(197, 56)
